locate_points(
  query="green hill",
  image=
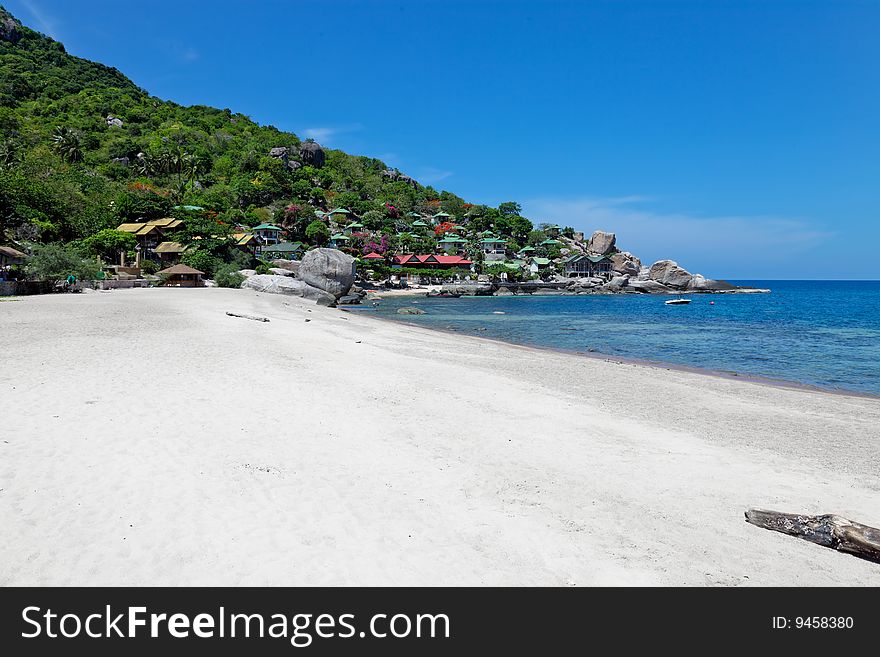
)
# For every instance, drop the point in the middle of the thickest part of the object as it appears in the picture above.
(84, 149)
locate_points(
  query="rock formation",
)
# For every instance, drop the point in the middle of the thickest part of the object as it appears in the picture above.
(670, 274)
(624, 262)
(330, 270)
(287, 285)
(9, 28)
(602, 243)
(312, 154)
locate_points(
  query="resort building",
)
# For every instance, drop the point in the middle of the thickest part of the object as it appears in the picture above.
(419, 224)
(353, 227)
(339, 215)
(150, 234)
(441, 217)
(493, 247)
(582, 264)
(169, 253)
(431, 261)
(452, 244)
(182, 276)
(338, 240)
(539, 265)
(267, 234)
(284, 251)
(246, 242)
(373, 257)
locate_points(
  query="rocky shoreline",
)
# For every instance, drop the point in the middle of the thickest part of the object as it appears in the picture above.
(616, 285)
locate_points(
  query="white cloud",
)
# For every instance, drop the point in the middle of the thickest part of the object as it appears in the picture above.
(44, 22)
(431, 175)
(325, 135)
(734, 246)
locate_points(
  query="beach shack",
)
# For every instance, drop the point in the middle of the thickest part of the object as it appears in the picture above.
(246, 243)
(181, 275)
(339, 215)
(10, 256)
(581, 264)
(538, 265)
(353, 227)
(441, 217)
(284, 251)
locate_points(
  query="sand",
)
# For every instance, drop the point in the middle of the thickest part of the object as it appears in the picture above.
(149, 439)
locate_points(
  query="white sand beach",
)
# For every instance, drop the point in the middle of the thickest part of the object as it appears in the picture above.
(147, 438)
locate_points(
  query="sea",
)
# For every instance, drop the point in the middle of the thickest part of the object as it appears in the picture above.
(823, 334)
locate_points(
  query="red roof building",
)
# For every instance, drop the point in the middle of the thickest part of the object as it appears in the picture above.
(431, 261)
(373, 256)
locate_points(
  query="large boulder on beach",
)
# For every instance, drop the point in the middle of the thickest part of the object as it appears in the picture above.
(625, 263)
(247, 273)
(468, 289)
(699, 283)
(280, 271)
(330, 270)
(290, 265)
(669, 273)
(286, 285)
(602, 243)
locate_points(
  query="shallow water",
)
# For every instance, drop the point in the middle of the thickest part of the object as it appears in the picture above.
(822, 333)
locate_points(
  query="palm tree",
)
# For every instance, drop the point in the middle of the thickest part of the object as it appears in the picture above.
(66, 143)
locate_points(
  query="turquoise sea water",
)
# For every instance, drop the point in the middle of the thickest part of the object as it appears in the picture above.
(821, 333)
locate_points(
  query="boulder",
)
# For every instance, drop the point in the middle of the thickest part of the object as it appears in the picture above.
(124, 161)
(280, 271)
(720, 286)
(617, 282)
(584, 282)
(624, 262)
(698, 282)
(247, 273)
(410, 311)
(290, 265)
(330, 270)
(279, 152)
(468, 289)
(503, 292)
(602, 243)
(287, 285)
(114, 122)
(669, 273)
(648, 287)
(348, 300)
(9, 27)
(312, 154)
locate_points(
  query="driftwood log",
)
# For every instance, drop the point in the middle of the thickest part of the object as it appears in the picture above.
(828, 531)
(253, 317)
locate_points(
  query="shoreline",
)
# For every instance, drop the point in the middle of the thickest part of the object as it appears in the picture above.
(655, 364)
(324, 448)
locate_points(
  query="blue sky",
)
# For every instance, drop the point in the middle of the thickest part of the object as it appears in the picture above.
(741, 139)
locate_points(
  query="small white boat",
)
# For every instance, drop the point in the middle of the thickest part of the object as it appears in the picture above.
(677, 302)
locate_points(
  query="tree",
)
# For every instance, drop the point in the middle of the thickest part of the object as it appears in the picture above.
(510, 208)
(55, 262)
(317, 233)
(202, 260)
(67, 144)
(108, 243)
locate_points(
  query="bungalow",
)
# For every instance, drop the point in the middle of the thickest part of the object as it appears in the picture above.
(246, 242)
(493, 247)
(353, 227)
(538, 265)
(338, 240)
(526, 251)
(430, 261)
(452, 244)
(418, 224)
(182, 276)
(551, 242)
(10, 256)
(373, 257)
(441, 217)
(169, 252)
(267, 234)
(582, 264)
(284, 251)
(150, 234)
(339, 215)
(552, 230)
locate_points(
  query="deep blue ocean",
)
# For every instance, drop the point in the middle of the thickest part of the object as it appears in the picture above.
(820, 333)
